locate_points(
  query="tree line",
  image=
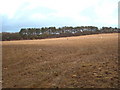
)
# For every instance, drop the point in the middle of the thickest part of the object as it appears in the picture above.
(53, 32)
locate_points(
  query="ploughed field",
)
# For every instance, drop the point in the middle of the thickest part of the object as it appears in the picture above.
(89, 61)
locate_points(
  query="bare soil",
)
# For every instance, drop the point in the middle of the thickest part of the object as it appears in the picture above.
(89, 61)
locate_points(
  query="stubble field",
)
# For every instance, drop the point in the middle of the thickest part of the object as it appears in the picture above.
(89, 61)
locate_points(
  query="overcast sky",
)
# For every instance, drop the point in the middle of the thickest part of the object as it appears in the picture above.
(17, 14)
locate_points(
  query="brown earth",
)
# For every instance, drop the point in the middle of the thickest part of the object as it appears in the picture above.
(72, 62)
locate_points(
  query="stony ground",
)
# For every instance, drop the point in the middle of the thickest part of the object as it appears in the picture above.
(73, 62)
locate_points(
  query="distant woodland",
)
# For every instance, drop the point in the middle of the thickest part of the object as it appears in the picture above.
(53, 32)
